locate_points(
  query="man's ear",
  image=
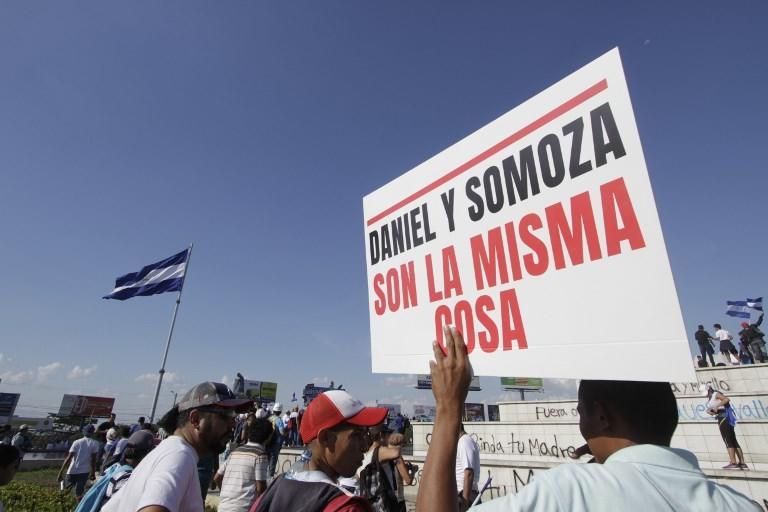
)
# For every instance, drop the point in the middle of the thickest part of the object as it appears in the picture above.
(603, 418)
(194, 417)
(325, 437)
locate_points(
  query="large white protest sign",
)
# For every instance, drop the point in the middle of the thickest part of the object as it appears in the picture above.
(538, 237)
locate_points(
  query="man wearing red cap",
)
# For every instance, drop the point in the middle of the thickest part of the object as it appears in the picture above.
(752, 337)
(335, 426)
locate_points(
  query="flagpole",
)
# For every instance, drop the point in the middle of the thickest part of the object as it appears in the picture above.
(170, 334)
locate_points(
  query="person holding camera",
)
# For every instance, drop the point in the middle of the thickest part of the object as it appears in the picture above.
(404, 471)
(382, 480)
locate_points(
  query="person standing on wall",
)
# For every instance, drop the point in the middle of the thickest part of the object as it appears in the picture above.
(719, 405)
(704, 339)
(726, 346)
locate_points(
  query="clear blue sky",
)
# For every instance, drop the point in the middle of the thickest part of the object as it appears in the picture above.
(254, 129)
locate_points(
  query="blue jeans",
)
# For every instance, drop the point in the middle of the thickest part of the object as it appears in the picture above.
(274, 453)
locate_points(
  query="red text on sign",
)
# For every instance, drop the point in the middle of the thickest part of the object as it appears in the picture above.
(485, 323)
(395, 289)
(499, 257)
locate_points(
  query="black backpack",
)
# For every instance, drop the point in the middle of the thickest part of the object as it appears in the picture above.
(375, 486)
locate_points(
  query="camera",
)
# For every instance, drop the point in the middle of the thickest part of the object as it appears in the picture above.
(412, 469)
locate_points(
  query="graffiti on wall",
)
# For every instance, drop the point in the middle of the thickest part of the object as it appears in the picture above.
(753, 410)
(693, 388)
(512, 444)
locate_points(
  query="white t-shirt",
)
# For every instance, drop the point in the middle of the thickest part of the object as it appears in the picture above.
(722, 334)
(467, 457)
(166, 477)
(82, 450)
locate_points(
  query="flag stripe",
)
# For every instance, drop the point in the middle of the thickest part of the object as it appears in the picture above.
(737, 314)
(155, 276)
(135, 277)
(169, 285)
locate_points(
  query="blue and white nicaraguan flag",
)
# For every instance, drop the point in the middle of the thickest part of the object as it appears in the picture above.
(163, 276)
(743, 308)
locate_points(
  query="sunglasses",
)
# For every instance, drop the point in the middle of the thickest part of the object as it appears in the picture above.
(224, 413)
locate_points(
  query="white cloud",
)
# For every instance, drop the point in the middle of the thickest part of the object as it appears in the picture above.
(168, 378)
(39, 375)
(43, 372)
(321, 381)
(78, 372)
(1, 357)
(23, 377)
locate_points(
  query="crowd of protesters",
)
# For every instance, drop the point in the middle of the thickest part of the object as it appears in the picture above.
(353, 460)
(751, 349)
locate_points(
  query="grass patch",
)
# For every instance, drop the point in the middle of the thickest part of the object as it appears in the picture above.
(42, 477)
(26, 497)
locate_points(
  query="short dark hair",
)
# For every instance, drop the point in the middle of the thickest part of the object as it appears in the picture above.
(718, 326)
(174, 419)
(701, 326)
(259, 430)
(649, 409)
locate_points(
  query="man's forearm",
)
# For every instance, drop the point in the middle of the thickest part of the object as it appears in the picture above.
(437, 489)
(451, 375)
(469, 476)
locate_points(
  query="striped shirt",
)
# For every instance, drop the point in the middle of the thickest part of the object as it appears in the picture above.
(245, 466)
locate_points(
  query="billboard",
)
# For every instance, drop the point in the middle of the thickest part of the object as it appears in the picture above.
(82, 405)
(521, 383)
(474, 412)
(311, 391)
(424, 381)
(423, 413)
(392, 411)
(8, 403)
(260, 390)
(520, 235)
(269, 391)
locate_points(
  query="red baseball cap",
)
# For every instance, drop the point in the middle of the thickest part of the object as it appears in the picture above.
(334, 408)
